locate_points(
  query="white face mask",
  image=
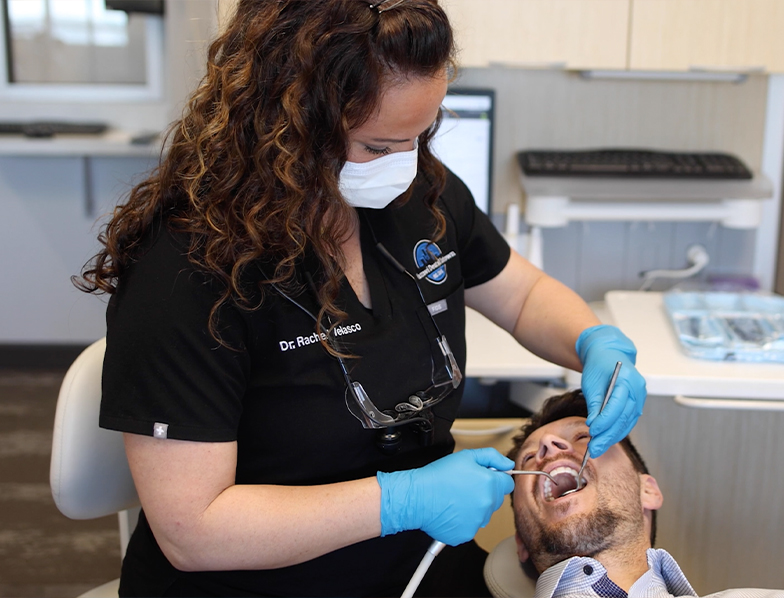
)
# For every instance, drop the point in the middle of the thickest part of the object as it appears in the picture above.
(377, 183)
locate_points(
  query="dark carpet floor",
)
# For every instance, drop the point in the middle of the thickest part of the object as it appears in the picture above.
(42, 553)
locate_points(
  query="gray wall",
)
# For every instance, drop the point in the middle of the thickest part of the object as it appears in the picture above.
(557, 109)
(47, 232)
(46, 235)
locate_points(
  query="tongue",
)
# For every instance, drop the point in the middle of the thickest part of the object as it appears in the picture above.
(565, 482)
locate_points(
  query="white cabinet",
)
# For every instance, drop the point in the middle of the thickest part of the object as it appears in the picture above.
(665, 35)
(680, 35)
(574, 34)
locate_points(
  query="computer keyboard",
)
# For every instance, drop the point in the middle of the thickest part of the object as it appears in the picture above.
(631, 163)
(51, 128)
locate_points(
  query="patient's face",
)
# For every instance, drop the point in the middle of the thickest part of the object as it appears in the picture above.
(606, 512)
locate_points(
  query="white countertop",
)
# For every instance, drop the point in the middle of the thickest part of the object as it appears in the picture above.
(112, 143)
(494, 353)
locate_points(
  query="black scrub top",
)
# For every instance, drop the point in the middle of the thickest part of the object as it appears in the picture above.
(272, 388)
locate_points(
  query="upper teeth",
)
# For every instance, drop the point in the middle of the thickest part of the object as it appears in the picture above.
(548, 485)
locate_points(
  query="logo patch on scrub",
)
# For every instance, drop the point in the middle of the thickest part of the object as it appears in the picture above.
(428, 257)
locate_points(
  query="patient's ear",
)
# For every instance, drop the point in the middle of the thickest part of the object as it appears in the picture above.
(522, 551)
(650, 494)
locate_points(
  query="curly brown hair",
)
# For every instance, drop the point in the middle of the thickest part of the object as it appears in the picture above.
(251, 169)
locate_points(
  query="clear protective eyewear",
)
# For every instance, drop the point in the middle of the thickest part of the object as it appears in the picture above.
(415, 409)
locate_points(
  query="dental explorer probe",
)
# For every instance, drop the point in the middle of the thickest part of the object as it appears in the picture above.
(604, 402)
(436, 547)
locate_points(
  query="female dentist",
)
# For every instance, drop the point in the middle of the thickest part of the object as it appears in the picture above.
(285, 334)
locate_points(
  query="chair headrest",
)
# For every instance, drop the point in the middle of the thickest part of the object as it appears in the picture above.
(504, 576)
(89, 472)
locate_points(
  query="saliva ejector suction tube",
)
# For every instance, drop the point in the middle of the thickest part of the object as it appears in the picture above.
(424, 565)
(436, 546)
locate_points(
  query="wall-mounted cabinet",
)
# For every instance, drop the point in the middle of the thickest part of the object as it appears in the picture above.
(650, 35)
(574, 34)
(682, 35)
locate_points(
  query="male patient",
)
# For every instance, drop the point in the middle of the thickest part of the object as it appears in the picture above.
(597, 541)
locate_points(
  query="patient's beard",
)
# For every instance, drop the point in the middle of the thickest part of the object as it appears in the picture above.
(583, 535)
(606, 527)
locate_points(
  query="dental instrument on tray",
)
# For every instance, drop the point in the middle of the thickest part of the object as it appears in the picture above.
(436, 547)
(604, 402)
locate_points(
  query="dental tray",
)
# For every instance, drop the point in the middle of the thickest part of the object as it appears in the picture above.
(728, 326)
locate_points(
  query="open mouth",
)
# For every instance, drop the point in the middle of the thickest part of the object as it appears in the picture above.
(566, 478)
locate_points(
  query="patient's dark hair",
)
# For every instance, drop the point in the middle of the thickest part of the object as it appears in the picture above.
(572, 404)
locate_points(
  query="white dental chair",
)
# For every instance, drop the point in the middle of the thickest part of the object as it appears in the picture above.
(89, 472)
(504, 576)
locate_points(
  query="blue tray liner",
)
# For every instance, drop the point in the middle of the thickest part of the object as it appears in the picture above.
(728, 326)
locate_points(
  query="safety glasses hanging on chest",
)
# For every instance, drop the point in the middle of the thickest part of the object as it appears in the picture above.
(445, 377)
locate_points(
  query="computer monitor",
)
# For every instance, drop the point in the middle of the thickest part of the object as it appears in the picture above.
(464, 143)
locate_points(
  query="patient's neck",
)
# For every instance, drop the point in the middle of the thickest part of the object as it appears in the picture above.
(625, 564)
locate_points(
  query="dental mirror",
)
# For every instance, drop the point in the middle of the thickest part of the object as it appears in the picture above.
(585, 457)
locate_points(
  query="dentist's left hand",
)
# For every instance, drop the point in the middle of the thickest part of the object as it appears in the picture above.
(449, 499)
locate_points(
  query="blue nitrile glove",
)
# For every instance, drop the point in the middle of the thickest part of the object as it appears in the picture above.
(600, 348)
(449, 499)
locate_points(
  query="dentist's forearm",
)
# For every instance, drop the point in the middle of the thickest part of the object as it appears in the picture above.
(552, 318)
(544, 315)
(267, 527)
(203, 521)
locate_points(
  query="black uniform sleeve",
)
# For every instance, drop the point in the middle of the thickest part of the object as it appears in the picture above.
(162, 365)
(483, 251)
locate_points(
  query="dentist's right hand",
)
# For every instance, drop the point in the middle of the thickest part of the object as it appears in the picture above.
(449, 499)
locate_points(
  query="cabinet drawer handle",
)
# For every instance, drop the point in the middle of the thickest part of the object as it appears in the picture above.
(736, 404)
(498, 431)
(557, 65)
(746, 70)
